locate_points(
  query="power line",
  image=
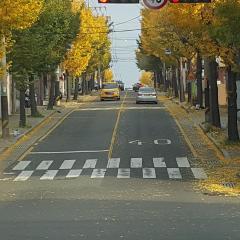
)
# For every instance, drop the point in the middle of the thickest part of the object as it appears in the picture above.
(127, 21)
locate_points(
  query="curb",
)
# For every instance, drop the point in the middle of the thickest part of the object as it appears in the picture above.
(222, 152)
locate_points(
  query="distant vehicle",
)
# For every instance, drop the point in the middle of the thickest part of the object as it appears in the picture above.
(146, 94)
(120, 85)
(136, 86)
(110, 91)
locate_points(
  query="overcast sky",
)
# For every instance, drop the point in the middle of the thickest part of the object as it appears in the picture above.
(123, 43)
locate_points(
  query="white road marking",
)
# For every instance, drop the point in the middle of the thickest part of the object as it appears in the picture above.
(123, 173)
(63, 152)
(117, 108)
(90, 163)
(24, 175)
(149, 173)
(113, 163)
(21, 165)
(162, 141)
(67, 164)
(138, 142)
(49, 175)
(44, 165)
(74, 173)
(174, 173)
(199, 173)
(98, 173)
(182, 162)
(136, 162)
(159, 162)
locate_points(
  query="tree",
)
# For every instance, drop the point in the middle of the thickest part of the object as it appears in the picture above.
(90, 50)
(146, 78)
(18, 14)
(108, 75)
(225, 30)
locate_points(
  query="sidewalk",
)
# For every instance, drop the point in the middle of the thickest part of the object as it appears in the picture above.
(217, 136)
(223, 173)
(31, 123)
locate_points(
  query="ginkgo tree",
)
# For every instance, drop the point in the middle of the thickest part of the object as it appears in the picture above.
(90, 49)
(41, 48)
(17, 14)
(193, 32)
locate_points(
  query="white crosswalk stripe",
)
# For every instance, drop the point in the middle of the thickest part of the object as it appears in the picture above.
(90, 163)
(24, 175)
(67, 164)
(68, 169)
(174, 173)
(182, 162)
(136, 162)
(199, 173)
(74, 173)
(98, 173)
(149, 173)
(21, 165)
(113, 163)
(49, 175)
(123, 173)
(159, 162)
(44, 165)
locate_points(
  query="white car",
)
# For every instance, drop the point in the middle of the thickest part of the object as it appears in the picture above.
(146, 94)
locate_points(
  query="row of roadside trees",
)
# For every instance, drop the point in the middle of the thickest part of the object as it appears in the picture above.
(38, 37)
(194, 36)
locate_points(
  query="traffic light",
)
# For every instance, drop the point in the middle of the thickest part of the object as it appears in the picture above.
(190, 1)
(118, 1)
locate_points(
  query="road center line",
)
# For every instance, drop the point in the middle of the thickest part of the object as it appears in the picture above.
(115, 129)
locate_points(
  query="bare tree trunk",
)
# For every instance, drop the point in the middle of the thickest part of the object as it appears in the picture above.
(84, 84)
(52, 92)
(180, 84)
(68, 82)
(174, 82)
(199, 81)
(33, 104)
(75, 96)
(4, 98)
(206, 90)
(233, 134)
(22, 120)
(213, 93)
(189, 91)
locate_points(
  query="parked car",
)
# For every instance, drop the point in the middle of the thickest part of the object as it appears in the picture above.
(120, 85)
(146, 94)
(110, 91)
(136, 86)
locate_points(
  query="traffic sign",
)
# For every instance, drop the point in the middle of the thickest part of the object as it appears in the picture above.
(155, 4)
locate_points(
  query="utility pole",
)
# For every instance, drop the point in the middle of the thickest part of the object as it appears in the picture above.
(4, 98)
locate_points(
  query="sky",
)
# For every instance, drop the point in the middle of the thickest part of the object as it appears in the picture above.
(123, 43)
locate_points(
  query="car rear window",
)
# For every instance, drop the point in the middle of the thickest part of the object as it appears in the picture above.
(146, 90)
(110, 86)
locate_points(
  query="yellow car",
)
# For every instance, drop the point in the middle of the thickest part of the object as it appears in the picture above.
(110, 91)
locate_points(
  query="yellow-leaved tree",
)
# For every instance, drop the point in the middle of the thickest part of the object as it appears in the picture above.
(14, 14)
(108, 75)
(91, 48)
(146, 78)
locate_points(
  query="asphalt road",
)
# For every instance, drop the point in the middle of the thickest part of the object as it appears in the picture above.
(113, 170)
